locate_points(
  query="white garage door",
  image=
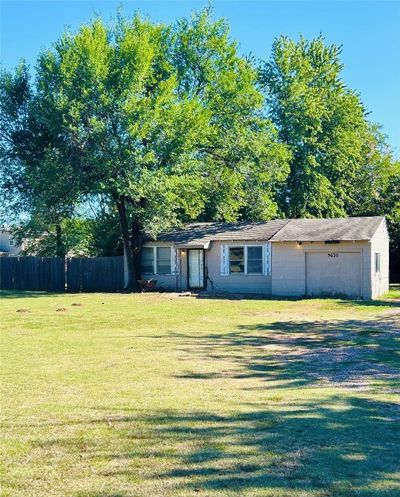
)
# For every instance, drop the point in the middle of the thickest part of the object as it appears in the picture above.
(333, 273)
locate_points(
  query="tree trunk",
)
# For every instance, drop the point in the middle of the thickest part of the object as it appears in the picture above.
(137, 241)
(60, 249)
(130, 283)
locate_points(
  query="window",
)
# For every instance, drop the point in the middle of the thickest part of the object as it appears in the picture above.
(148, 260)
(236, 259)
(254, 260)
(377, 262)
(163, 260)
(11, 241)
(247, 260)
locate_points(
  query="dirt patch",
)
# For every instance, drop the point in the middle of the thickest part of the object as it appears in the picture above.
(23, 310)
(61, 309)
(76, 304)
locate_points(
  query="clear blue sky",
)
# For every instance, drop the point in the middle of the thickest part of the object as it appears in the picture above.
(368, 30)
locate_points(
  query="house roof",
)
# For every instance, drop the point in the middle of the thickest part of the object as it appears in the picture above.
(196, 234)
(278, 230)
(313, 230)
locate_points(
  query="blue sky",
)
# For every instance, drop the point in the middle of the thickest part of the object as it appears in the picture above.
(368, 30)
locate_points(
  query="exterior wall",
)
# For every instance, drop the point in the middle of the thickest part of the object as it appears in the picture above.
(240, 283)
(5, 244)
(288, 268)
(380, 244)
(168, 281)
(289, 265)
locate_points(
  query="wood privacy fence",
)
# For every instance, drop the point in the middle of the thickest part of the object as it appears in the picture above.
(55, 274)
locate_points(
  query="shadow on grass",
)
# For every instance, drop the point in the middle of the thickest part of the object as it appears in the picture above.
(345, 447)
(24, 294)
(351, 353)
(327, 446)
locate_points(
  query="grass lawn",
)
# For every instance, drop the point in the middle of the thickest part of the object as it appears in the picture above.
(163, 396)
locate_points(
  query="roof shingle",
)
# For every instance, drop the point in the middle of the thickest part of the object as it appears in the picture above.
(278, 230)
(314, 230)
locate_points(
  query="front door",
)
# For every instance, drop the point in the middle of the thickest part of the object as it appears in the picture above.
(196, 268)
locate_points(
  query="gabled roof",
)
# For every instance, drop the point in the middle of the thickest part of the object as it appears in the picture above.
(315, 230)
(278, 230)
(199, 233)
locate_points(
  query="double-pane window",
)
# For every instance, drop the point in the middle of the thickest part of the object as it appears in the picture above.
(156, 260)
(246, 260)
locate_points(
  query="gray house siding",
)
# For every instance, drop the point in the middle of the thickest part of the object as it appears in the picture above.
(380, 244)
(168, 281)
(289, 265)
(7, 246)
(239, 283)
(297, 260)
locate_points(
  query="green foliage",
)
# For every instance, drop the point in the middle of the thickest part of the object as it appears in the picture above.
(168, 123)
(165, 122)
(321, 120)
(158, 115)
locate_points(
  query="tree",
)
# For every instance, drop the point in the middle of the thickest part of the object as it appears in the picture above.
(322, 121)
(38, 187)
(158, 119)
(377, 191)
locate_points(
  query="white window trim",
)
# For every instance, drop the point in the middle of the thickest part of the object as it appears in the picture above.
(155, 247)
(245, 247)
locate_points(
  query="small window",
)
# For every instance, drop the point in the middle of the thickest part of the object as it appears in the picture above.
(147, 260)
(236, 259)
(377, 262)
(11, 241)
(163, 260)
(254, 260)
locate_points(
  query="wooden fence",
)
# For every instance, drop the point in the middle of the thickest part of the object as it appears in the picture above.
(55, 274)
(100, 274)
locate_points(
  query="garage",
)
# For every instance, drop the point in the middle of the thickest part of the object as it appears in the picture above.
(333, 273)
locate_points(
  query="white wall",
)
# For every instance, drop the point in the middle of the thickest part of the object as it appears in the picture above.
(5, 244)
(380, 244)
(289, 267)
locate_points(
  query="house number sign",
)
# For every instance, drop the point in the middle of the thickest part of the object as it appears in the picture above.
(333, 254)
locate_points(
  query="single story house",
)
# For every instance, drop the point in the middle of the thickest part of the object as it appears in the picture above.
(286, 257)
(8, 247)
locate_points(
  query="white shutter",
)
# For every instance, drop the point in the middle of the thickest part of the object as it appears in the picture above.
(268, 259)
(224, 260)
(174, 261)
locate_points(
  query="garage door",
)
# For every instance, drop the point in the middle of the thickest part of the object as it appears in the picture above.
(333, 273)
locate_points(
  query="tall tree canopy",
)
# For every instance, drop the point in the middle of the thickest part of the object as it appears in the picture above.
(155, 124)
(321, 120)
(164, 121)
(340, 164)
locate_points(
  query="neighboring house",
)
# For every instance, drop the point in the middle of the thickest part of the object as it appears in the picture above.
(296, 257)
(7, 244)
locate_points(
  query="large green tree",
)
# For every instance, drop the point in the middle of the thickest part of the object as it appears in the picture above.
(38, 186)
(321, 120)
(341, 164)
(164, 121)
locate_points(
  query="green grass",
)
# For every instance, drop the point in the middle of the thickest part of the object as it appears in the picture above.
(164, 396)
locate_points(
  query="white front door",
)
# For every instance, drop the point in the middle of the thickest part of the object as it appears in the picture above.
(196, 268)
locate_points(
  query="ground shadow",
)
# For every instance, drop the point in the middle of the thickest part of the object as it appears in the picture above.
(349, 353)
(345, 447)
